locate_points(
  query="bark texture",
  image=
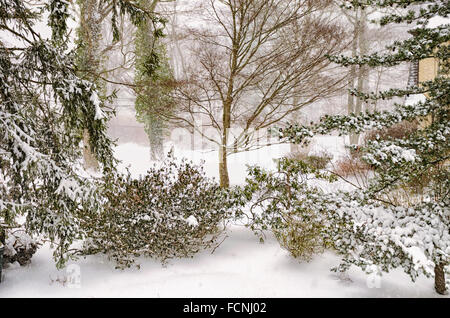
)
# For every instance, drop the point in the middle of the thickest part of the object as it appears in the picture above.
(439, 279)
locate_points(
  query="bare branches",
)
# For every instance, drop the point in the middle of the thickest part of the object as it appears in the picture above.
(252, 63)
(258, 57)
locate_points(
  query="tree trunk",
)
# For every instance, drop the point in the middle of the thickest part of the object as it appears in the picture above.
(2, 236)
(439, 279)
(226, 120)
(351, 79)
(155, 136)
(362, 71)
(89, 62)
(90, 161)
(295, 118)
(223, 168)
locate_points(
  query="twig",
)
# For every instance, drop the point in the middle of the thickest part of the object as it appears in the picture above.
(219, 244)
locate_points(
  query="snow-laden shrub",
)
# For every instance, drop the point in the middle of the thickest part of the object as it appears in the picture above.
(45, 105)
(19, 247)
(172, 211)
(280, 202)
(378, 237)
(402, 217)
(368, 233)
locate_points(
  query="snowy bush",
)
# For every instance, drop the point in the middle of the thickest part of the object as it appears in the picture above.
(401, 218)
(172, 211)
(378, 237)
(44, 107)
(368, 233)
(19, 247)
(280, 202)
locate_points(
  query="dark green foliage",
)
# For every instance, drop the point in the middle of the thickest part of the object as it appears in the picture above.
(281, 202)
(138, 14)
(172, 211)
(43, 106)
(402, 216)
(57, 20)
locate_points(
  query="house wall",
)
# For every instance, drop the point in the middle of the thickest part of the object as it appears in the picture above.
(428, 69)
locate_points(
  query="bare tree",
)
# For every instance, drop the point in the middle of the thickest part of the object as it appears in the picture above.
(257, 62)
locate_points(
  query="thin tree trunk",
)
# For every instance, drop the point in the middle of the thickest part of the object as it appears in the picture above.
(226, 121)
(295, 118)
(358, 106)
(360, 36)
(362, 72)
(223, 168)
(2, 236)
(351, 78)
(90, 161)
(193, 140)
(439, 279)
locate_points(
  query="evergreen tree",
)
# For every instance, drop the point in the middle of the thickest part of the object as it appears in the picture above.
(43, 107)
(378, 228)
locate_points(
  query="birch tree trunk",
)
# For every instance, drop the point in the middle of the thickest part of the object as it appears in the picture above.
(352, 74)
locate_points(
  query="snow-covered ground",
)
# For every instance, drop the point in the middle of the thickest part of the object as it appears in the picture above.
(239, 267)
(137, 158)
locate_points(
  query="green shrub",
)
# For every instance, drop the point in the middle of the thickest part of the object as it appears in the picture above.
(280, 201)
(172, 211)
(301, 238)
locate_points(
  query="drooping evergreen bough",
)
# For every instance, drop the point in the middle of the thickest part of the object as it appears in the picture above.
(43, 106)
(402, 218)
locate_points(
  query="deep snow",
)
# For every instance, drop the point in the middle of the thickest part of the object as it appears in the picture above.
(239, 267)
